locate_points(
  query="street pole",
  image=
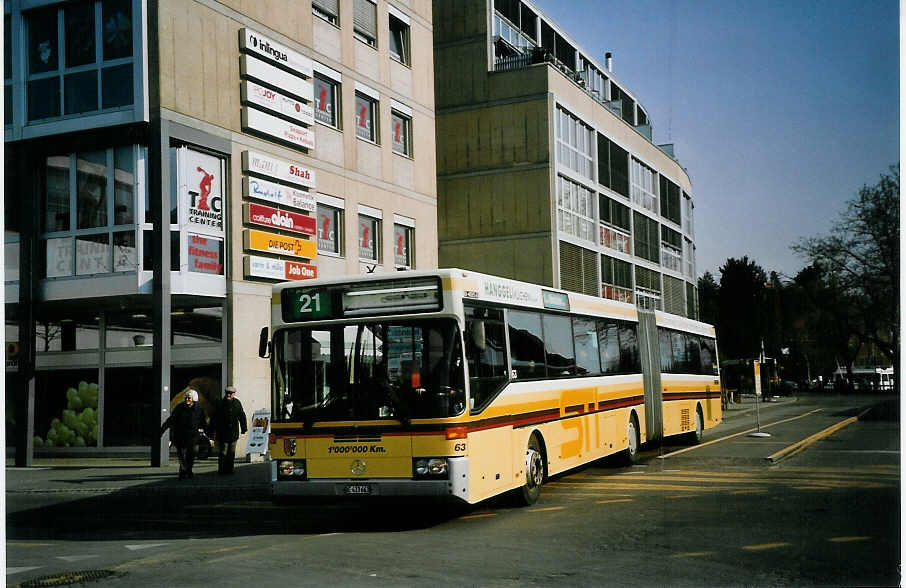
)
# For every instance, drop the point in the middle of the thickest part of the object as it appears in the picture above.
(757, 372)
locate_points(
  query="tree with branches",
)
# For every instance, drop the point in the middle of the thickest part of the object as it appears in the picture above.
(859, 261)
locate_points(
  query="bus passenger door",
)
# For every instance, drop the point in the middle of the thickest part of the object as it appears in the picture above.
(651, 375)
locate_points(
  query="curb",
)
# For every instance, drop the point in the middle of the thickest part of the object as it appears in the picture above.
(797, 447)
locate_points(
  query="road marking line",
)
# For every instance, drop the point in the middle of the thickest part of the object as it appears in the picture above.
(734, 435)
(795, 448)
(479, 516)
(765, 546)
(693, 554)
(549, 508)
(225, 549)
(145, 546)
(750, 491)
(614, 501)
(74, 558)
(848, 539)
(11, 571)
(328, 534)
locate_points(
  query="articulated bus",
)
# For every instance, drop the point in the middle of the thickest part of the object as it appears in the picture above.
(458, 384)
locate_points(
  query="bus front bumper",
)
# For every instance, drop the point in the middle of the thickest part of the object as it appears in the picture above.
(458, 472)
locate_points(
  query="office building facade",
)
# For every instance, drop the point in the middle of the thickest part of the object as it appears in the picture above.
(546, 167)
(167, 161)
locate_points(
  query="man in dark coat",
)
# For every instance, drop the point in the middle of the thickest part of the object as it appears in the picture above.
(184, 422)
(228, 421)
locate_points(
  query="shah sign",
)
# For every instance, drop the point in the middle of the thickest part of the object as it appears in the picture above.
(254, 162)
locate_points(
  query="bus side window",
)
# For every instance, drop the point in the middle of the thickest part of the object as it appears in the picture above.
(630, 359)
(693, 354)
(485, 341)
(609, 344)
(663, 338)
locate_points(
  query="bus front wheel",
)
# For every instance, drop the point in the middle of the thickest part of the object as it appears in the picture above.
(534, 473)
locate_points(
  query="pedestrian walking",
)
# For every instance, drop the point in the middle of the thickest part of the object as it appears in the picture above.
(184, 422)
(228, 421)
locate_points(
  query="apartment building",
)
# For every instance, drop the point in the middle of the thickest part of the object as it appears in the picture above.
(167, 161)
(546, 167)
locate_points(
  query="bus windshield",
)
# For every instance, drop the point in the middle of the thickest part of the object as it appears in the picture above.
(393, 370)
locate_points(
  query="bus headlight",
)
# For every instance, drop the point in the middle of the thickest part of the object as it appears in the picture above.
(291, 469)
(430, 467)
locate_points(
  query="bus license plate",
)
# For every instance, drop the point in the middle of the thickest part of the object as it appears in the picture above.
(357, 489)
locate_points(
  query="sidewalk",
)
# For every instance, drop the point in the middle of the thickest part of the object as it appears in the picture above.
(58, 480)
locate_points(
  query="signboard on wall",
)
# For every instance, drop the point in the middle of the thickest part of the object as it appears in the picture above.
(286, 171)
(258, 214)
(278, 128)
(278, 269)
(278, 194)
(280, 244)
(258, 95)
(266, 48)
(205, 254)
(202, 206)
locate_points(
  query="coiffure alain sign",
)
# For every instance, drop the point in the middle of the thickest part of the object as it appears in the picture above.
(258, 214)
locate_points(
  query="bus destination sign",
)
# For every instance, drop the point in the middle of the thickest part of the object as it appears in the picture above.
(307, 304)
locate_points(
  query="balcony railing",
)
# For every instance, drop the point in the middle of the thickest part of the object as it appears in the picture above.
(614, 239)
(671, 259)
(616, 293)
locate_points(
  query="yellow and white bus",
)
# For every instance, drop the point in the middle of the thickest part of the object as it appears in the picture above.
(455, 383)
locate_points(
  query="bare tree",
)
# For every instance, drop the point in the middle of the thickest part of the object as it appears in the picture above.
(861, 257)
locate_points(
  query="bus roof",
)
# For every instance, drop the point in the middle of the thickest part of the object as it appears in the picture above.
(476, 286)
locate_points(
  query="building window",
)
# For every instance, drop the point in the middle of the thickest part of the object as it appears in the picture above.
(615, 225)
(327, 100)
(671, 249)
(575, 209)
(688, 207)
(402, 133)
(7, 71)
(329, 10)
(647, 288)
(613, 166)
(643, 185)
(670, 200)
(616, 279)
(402, 246)
(330, 226)
(645, 237)
(80, 59)
(399, 40)
(88, 224)
(369, 238)
(574, 141)
(365, 110)
(364, 21)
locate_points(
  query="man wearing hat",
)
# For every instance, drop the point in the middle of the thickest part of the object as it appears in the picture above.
(228, 420)
(184, 422)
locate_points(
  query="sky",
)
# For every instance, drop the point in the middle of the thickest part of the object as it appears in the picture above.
(780, 111)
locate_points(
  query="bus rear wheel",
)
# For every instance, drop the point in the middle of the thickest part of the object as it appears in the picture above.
(534, 473)
(630, 455)
(694, 437)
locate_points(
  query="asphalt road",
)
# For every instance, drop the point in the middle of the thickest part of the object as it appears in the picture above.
(716, 515)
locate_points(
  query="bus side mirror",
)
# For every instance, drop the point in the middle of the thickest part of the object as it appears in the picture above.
(478, 336)
(264, 346)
